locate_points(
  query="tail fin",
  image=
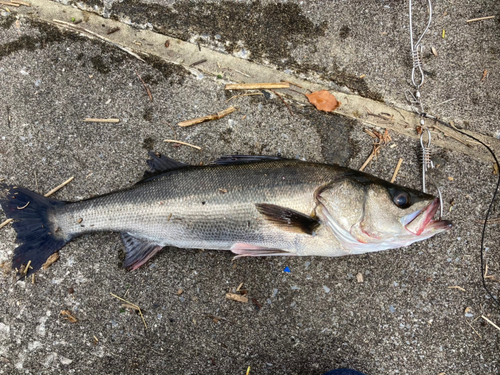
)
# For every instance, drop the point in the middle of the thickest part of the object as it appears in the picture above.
(36, 234)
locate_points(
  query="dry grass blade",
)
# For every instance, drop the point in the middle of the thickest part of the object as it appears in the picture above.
(489, 321)
(470, 325)
(133, 305)
(145, 86)
(182, 143)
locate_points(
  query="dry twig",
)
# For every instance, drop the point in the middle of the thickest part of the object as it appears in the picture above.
(215, 116)
(58, 187)
(480, 19)
(198, 62)
(134, 306)
(396, 170)
(279, 96)
(6, 222)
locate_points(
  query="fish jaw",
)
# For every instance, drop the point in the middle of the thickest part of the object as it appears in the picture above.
(421, 222)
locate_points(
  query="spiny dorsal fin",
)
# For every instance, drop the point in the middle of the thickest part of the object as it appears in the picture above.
(162, 163)
(288, 219)
(137, 251)
(159, 164)
(244, 159)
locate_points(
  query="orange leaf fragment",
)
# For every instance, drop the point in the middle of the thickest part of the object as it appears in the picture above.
(323, 100)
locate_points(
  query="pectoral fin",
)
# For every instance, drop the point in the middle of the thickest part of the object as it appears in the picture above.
(288, 219)
(138, 251)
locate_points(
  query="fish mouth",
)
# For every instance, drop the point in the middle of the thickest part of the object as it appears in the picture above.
(422, 222)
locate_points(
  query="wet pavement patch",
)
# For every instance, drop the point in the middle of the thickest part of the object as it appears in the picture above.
(99, 65)
(171, 72)
(7, 22)
(337, 145)
(270, 31)
(48, 34)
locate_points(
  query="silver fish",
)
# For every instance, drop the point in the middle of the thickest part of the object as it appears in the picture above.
(253, 206)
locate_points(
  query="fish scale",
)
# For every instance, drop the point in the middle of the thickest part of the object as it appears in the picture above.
(169, 209)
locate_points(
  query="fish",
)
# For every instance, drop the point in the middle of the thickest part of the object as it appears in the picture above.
(250, 205)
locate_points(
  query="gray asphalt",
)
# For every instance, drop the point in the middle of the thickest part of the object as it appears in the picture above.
(402, 319)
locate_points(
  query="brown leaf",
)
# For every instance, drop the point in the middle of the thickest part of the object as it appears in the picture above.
(323, 100)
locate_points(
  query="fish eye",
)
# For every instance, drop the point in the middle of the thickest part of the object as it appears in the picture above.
(401, 199)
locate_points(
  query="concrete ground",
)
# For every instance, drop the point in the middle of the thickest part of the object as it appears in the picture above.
(418, 309)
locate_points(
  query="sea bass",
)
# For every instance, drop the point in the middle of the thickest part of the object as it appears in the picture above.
(251, 205)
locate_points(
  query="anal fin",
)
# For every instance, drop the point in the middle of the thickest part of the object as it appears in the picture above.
(138, 251)
(248, 250)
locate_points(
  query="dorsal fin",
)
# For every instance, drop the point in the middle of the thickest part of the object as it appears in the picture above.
(159, 164)
(243, 159)
(162, 163)
(288, 219)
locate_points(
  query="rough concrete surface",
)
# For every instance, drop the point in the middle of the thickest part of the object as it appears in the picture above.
(402, 319)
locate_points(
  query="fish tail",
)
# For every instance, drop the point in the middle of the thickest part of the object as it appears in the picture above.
(36, 232)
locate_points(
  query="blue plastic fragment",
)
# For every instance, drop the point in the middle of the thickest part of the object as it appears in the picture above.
(287, 270)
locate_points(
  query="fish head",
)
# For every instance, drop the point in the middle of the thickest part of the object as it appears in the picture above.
(369, 214)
